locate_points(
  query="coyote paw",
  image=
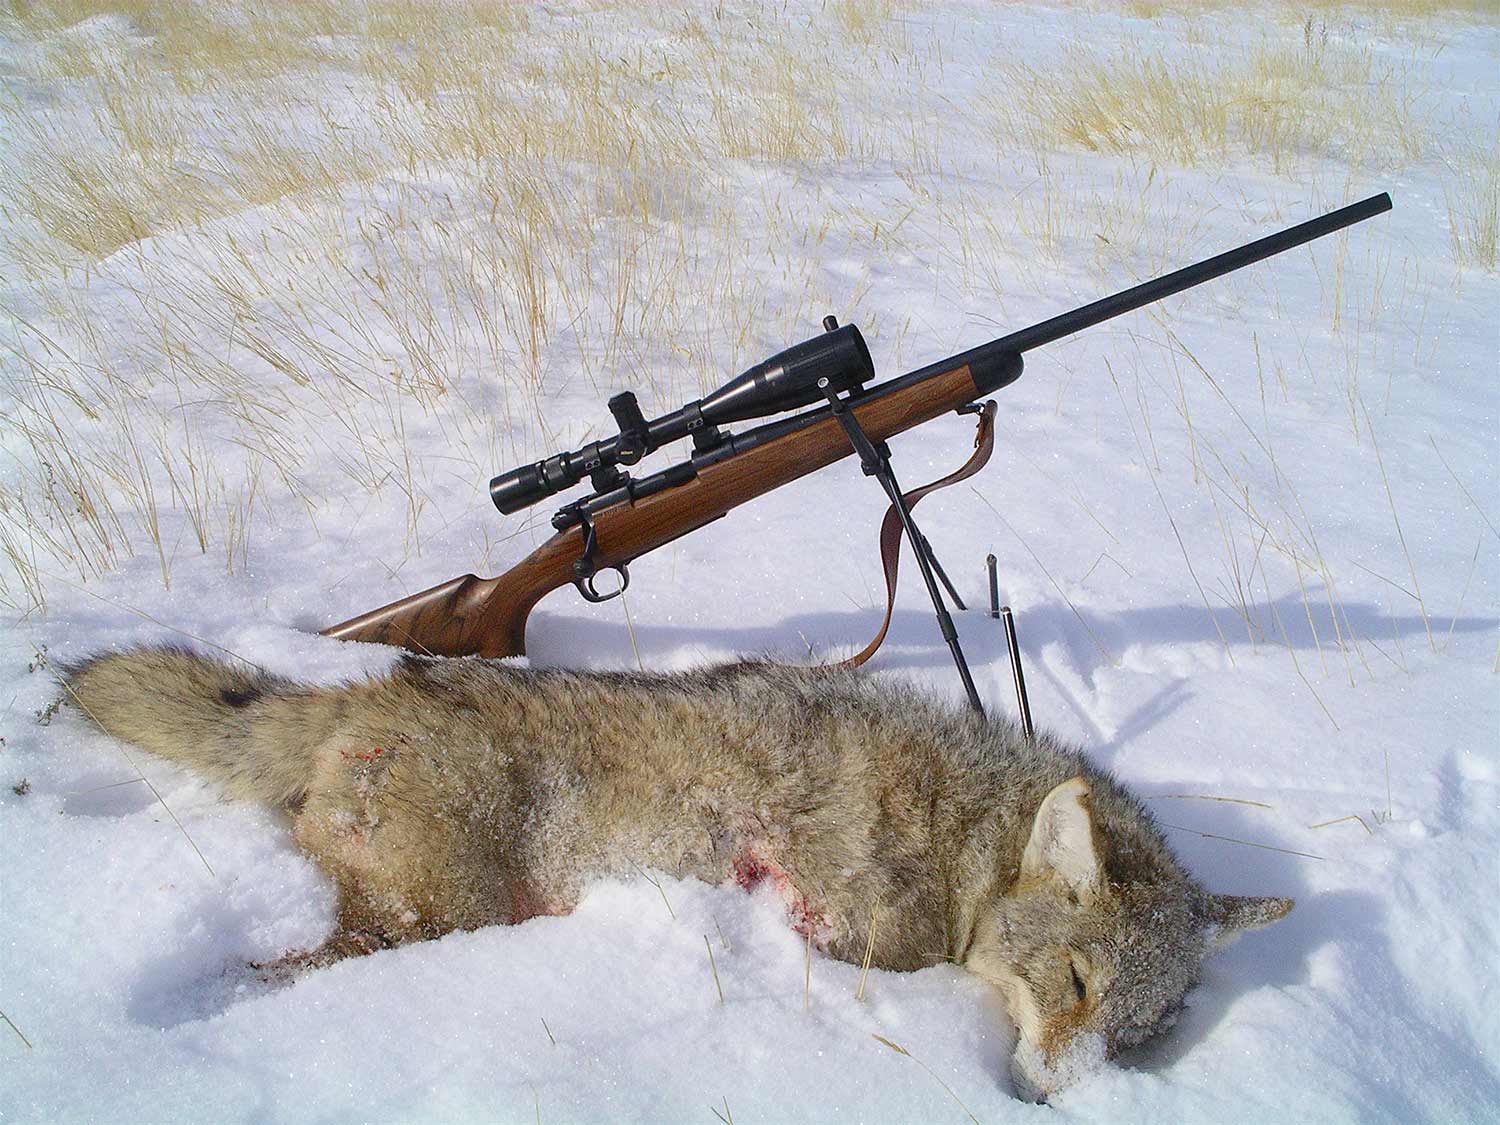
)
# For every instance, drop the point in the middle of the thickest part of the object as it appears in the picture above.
(345, 943)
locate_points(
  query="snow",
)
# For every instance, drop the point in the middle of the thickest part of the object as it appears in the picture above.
(1324, 729)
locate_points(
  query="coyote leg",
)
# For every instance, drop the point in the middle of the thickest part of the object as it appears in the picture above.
(354, 935)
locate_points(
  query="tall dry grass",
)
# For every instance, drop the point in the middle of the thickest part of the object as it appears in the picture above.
(1280, 102)
(319, 225)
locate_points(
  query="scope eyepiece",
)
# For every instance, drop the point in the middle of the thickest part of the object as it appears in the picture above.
(519, 488)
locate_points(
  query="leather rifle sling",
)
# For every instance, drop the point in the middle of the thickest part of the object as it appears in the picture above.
(891, 529)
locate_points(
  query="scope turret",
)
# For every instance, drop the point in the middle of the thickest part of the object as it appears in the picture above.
(786, 381)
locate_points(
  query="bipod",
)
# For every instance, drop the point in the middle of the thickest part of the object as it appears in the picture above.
(875, 461)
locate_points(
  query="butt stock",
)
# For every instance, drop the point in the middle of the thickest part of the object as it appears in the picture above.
(467, 616)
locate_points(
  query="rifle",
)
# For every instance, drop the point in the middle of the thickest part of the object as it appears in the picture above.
(624, 517)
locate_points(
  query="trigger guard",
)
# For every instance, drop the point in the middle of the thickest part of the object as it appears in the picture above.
(586, 584)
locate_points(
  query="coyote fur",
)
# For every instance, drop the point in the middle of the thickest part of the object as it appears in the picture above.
(453, 794)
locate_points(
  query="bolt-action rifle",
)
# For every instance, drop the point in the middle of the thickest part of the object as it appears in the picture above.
(624, 517)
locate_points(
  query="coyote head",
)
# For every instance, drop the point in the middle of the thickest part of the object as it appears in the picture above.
(1088, 966)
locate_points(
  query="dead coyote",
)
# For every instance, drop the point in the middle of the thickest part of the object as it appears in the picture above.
(453, 794)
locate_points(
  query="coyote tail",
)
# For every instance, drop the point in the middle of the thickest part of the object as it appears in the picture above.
(250, 731)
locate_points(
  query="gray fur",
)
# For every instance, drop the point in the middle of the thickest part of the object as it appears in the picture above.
(453, 794)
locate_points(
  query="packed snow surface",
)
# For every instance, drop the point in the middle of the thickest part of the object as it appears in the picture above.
(1249, 534)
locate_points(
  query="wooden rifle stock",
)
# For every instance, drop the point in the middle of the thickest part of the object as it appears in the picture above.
(472, 616)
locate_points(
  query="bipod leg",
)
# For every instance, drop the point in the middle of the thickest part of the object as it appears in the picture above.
(942, 574)
(875, 460)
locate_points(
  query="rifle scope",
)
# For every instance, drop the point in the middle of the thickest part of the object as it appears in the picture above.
(786, 381)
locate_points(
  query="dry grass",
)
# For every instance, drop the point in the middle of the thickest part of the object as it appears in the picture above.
(1288, 104)
(1257, 526)
(1322, 9)
(11, 1024)
(1473, 199)
(329, 234)
(362, 203)
(714, 968)
(902, 1051)
(864, 965)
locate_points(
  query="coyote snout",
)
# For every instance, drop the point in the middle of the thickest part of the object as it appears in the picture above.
(464, 793)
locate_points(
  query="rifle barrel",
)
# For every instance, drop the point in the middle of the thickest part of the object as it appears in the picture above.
(1123, 302)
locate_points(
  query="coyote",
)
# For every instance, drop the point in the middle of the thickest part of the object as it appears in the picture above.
(453, 794)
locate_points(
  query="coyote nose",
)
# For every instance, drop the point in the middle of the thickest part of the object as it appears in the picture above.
(1024, 1089)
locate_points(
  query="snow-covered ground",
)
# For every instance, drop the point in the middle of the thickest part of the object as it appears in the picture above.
(279, 303)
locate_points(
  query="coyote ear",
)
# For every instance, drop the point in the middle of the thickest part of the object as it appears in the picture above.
(1231, 915)
(1062, 846)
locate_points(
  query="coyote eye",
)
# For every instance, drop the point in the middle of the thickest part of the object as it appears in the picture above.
(1078, 986)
